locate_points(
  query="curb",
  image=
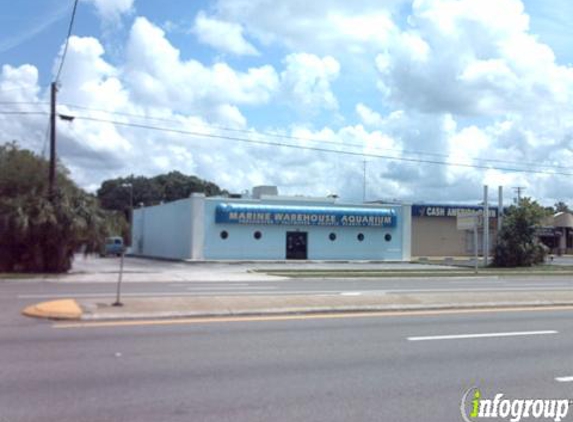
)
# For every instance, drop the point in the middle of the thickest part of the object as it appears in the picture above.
(64, 309)
(327, 310)
(70, 310)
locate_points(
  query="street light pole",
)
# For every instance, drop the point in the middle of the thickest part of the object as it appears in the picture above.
(120, 275)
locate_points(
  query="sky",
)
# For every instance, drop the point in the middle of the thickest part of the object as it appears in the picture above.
(418, 101)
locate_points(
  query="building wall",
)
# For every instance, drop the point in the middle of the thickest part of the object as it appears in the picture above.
(186, 229)
(163, 230)
(241, 243)
(439, 236)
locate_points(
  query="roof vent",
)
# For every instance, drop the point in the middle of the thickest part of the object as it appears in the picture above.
(259, 191)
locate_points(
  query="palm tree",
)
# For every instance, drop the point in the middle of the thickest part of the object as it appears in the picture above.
(37, 234)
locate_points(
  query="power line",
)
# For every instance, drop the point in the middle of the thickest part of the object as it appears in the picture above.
(305, 139)
(23, 112)
(319, 149)
(18, 88)
(24, 103)
(67, 41)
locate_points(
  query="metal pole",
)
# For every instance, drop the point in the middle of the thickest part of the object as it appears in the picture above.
(118, 294)
(476, 252)
(130, 214)
(499, 208)
(485, 227)
(364, 183)
(52, 168)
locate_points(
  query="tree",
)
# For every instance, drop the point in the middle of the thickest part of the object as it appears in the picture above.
(38, 234)
(114, 193)
(561, 207)
(517, 243)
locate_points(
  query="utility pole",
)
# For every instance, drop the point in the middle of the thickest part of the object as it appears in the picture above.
(52, 171)
(519, 189)
(485, 227)
(499, 208)
(364, 183)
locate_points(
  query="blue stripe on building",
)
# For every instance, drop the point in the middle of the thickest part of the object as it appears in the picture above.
(304, 215)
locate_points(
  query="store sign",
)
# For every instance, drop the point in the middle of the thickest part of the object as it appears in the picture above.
(448, 211)
(304, 216)
(547, 232)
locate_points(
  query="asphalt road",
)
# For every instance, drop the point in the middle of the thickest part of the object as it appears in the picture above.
(308, 369)
(34, 291)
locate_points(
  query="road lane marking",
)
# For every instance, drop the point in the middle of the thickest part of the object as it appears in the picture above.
(469, 289)
(483, 335)
(242, 291)
(350, 293)
(231, 288)
(564, 379)
(271, 318)
(207, 283)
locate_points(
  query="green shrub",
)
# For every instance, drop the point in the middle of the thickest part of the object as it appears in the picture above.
(517, 244)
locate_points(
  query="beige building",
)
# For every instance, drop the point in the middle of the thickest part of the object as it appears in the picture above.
(557, 233)
(435, 233)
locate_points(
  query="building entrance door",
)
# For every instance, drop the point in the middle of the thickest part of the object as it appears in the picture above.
(296, 245)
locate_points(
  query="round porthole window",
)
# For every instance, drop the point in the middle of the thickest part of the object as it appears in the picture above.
(360, 237)
(257, 235)
(332, 236)
(224, 234)
(388, 237)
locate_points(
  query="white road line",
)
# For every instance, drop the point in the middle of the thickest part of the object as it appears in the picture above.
(207, 283)
(261, 290)
(470, 289)
(484, 335)
(350, 293)
(192, 289)
(564, 379)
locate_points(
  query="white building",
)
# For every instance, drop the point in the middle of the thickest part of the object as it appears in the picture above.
(271, 227)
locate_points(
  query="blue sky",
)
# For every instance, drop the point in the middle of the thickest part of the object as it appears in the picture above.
(483, 85)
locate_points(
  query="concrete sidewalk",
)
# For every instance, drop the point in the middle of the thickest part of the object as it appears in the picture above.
(221, 306)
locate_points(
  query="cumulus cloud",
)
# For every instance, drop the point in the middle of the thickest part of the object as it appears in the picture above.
(307, 81)
(453, 82)
(471, 58)
(157, 74)
(112, 10)
(225, 36)
(319, 26)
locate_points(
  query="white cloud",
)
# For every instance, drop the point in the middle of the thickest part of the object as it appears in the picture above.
(224, 36)
(307, 81)
(157, 74)
(474, 58)
(112, 10)
(18, 87)
(456, 82)
(319, 26)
